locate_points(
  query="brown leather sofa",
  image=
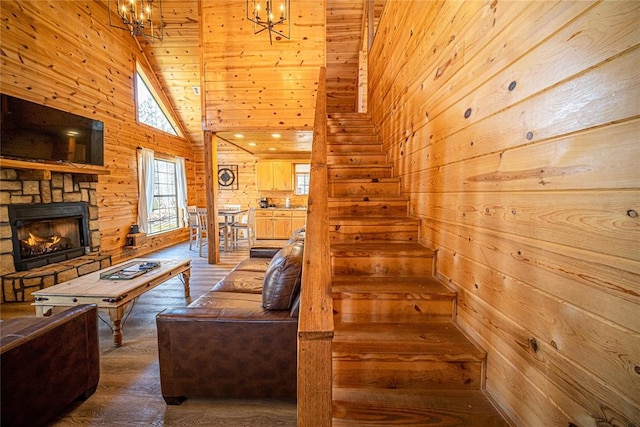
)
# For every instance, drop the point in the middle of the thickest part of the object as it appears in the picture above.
(47, 363)
(238, 340)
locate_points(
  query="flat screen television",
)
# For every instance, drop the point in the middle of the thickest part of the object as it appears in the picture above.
(35, 132)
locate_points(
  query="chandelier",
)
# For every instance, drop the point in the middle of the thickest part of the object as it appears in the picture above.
(139, 17)
(265, 16)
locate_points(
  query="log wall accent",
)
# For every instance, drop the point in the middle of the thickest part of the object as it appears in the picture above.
(65, 55)
(514, 127)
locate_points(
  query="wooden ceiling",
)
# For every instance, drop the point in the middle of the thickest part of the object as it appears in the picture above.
(249, 86)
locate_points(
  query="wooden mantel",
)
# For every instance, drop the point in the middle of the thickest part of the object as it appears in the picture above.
(66, 167)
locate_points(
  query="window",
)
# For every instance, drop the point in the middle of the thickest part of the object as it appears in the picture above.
(149, 110)
(302, 171)
(164, 215)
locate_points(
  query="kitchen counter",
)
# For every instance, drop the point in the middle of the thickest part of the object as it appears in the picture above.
(283, 208)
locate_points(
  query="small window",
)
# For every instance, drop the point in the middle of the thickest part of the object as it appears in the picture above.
(164, 215)
(149, 110)
(302, 172)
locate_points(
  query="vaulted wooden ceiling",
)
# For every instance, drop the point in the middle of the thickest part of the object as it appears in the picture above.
(247, 85)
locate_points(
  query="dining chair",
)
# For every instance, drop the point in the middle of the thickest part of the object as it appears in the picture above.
(246, 227)
(224, 232)
(202, 228)
(193, 226)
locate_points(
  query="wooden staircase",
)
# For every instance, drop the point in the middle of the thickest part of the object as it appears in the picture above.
(398, 357)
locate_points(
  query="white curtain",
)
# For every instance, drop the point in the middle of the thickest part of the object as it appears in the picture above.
(146, 175)
(181, 189)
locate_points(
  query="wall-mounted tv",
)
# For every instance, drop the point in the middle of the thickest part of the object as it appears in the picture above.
(35, 132)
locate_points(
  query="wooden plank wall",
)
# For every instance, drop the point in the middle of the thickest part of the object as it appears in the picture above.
(251, 84)
(65, 55)
(515, 127)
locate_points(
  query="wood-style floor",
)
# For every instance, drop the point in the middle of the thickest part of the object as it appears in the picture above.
(129, 389)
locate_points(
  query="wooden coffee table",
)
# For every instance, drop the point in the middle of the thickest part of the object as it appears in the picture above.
(111, 295)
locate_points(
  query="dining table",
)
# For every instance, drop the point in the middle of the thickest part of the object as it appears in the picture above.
(231, 216)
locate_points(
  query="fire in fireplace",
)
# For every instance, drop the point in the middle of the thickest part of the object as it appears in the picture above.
(47, 233)
(43, 238)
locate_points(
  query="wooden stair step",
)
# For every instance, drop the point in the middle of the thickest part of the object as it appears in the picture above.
(419, 356)
(387, 408)
(356, 159)
(356, 127)
(396, 299)
(353, 138)
(381, 258)
(426, 341)
(347, 147)
(389, 249)
(363, 187)
(361, 171)
(338, 115)
(357, 207)
(366, 229)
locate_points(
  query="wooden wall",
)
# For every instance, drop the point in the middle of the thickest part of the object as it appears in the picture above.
(65, 55)
(515, 127)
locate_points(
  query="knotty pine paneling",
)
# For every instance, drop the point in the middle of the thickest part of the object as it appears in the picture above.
(514, 129)
(229, 46)
(65, 55)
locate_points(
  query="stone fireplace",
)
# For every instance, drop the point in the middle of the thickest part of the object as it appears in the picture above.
(62, 210)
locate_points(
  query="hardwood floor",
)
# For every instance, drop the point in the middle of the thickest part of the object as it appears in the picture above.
(129, 389)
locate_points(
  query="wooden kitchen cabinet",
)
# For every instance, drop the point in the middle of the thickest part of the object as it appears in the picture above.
(298, 220)
(278, 223)
(263, 227)
(282, 224)
(274, 176)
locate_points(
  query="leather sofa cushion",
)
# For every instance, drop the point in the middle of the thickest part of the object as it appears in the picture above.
(240, 281)
(231, 307)
(253, 264)
(282, 278)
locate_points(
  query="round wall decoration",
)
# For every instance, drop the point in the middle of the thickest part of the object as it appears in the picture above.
(227, 177)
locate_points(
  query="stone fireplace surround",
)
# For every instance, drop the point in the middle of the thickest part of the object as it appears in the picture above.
(19, 186)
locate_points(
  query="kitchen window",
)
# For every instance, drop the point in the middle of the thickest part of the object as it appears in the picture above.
(302, 173)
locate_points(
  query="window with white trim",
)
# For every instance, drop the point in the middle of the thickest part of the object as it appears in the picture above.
(165, 214)
(302, 173)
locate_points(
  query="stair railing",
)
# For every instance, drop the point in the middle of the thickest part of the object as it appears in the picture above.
(315, 324)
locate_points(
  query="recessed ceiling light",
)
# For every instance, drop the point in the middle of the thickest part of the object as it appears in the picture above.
(276, 135)
(272, 148)
(238, 135)
(252, 144)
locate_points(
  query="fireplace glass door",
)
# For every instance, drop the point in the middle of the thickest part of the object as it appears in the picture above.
(45, 237)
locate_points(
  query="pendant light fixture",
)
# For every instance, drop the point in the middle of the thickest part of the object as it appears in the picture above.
(139, 17)
(271, 16)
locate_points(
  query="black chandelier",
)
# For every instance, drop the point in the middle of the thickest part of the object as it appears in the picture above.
(265, 16)
(139, 17)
